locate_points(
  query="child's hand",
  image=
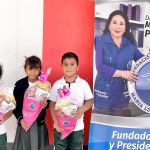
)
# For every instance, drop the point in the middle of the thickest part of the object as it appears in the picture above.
(44, 103)
(58, 129)
(1, 102)
(79, 113)
(60, 113)
(24, 125)
(6, 116)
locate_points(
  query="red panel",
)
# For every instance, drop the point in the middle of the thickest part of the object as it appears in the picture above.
(68, 26)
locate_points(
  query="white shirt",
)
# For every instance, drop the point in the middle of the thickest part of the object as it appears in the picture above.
(2, 126)
(31, 84)
(79, 92)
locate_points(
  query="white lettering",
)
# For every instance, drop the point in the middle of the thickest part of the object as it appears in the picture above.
(111, 145)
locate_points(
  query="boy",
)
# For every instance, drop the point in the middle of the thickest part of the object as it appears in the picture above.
(81, 94)
(3, 137)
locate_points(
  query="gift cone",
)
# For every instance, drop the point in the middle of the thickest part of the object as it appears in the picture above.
(67, 124)
(7, 102)
(1, 116)
(31, 110)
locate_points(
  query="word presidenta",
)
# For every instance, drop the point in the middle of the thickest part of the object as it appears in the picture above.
(131, 141)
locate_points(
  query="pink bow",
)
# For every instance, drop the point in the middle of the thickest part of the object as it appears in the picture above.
(64, 92)
(43, 76)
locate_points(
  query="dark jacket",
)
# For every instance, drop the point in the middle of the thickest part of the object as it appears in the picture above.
(19, 90)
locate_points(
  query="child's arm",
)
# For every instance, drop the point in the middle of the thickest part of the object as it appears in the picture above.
(6, 116)
(54, 116)
(87, 105)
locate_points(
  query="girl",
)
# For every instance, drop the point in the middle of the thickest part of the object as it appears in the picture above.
(35, 137)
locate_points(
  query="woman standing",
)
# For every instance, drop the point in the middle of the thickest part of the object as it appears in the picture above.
(115, 51)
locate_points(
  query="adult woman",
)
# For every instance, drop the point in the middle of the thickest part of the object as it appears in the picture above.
(115, 51)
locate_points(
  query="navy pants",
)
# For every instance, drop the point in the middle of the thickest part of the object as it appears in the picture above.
(3, 142)
(72, 142)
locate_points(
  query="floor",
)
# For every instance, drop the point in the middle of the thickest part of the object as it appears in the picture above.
(50, 147)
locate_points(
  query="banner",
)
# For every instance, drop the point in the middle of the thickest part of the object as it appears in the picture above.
(109, 132)
(119, 133)
(139, 18)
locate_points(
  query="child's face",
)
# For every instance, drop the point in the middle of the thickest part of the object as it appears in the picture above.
(32, 73)
(70, 67)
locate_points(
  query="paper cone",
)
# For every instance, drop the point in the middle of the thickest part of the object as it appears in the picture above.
(67, 124)
(31, 110)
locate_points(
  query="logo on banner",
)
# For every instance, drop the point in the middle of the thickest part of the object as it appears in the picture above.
(140, 91)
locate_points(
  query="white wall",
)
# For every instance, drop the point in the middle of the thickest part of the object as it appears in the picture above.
(21, 34)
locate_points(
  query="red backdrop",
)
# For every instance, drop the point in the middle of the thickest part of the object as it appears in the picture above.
(68, 26)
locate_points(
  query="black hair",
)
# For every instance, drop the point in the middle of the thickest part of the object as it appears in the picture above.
(70, 55)
(33, 62)
(128, 32)
(1, 71)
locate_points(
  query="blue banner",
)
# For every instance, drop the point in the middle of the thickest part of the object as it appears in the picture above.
(107, 137)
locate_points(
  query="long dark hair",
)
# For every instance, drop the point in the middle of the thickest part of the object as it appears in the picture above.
(128, 32)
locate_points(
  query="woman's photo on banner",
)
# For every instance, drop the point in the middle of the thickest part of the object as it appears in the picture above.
(121, 76)
(120, 40)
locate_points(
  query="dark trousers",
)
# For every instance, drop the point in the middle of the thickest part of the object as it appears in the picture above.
(72, 142)
(3, 141)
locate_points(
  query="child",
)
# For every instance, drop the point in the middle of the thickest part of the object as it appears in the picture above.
(35, 137)
(81, 94)
(3, 137)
